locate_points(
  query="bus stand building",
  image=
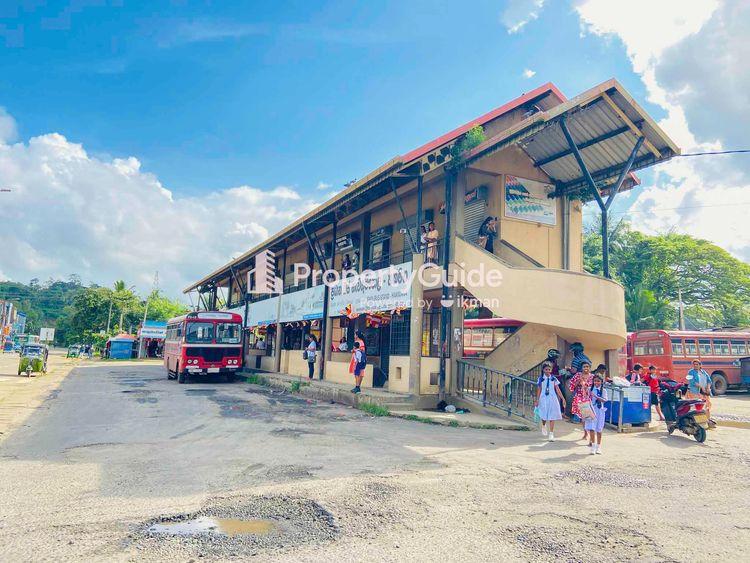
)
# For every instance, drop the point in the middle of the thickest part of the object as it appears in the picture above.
(543, 156)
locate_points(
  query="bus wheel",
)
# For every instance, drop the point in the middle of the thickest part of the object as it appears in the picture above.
(718, 384)
(181, 375)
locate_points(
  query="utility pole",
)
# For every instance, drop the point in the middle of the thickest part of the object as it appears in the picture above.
(681, 308)
(109, 317)
(154, 288)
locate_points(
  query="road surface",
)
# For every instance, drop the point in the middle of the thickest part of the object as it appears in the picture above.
(117, 447)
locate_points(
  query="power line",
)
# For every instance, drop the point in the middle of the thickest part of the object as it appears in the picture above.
(737, 151)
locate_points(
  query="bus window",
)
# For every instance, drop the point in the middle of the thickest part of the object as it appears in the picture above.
(641, 348)
(738, 348)
(721, 347)
(690, 348)
(677, 348)
(655, 348)
(467, 337)
(704, 346)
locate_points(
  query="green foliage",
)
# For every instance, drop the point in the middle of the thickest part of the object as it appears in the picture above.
(80, 314)
(472, 138)
(297, 385)
(715, 286)
(373, 409)
(256, 379)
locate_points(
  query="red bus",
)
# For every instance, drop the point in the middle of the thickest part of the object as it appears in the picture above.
(673, 352)
(208, 342)
(482, 336)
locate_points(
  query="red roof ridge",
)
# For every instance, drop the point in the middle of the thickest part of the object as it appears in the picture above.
(481, 120)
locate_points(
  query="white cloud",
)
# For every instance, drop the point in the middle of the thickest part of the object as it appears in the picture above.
(691, 57)
(324, 185)
(70, 212)
(528, 73)
(518, 13)
(8, 130)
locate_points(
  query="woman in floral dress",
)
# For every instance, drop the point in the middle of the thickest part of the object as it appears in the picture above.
(580, 386)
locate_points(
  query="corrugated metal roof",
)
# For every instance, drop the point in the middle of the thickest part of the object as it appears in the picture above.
(605, 123)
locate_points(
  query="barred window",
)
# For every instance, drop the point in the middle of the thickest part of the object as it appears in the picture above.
(431, 333)
(400, 332)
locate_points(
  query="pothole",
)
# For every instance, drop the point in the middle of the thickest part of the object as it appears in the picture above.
(232, 527)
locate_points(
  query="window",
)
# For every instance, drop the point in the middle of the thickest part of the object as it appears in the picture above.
(228, 333)
(467, 337)
(704, 346)
(641, 348)
(199, 333)
(400, 333)
(721, 347)
(691, 349)
(655, 348)
(738, 348)
(677, 348)
(501, 333)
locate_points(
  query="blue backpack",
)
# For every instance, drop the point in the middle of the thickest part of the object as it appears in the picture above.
(361, 365)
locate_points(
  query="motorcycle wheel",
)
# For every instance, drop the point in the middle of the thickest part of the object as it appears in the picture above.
(700, 434)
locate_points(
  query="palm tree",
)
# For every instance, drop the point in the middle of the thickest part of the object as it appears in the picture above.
(642, 308)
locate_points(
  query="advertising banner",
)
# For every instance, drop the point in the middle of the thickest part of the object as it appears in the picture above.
(153, 329)
(303, 305)
(382, 290)
(527, 200)
(46, 334)
(263, 312)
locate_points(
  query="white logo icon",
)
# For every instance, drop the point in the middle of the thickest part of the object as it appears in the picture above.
(264, 273)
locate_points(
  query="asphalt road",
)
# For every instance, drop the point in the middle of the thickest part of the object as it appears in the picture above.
(117, 447)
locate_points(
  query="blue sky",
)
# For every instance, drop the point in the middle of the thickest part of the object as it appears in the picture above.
(127, 128)
(210, 95)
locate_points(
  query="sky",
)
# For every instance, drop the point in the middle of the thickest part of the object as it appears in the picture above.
(174, 135)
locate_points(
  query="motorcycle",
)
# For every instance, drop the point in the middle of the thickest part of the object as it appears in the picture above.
(686, 415)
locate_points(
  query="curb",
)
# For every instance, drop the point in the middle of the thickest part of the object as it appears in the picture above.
(457, 423)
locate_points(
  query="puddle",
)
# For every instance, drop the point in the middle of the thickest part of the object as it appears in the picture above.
(211, 525)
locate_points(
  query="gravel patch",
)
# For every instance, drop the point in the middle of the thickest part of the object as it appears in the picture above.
(296, 522)
(591, 475)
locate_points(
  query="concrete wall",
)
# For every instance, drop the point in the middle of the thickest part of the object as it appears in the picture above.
(430, 365)
(293, 364)
(398, 374)
(338, 372)
(267, 363)
(522, 350)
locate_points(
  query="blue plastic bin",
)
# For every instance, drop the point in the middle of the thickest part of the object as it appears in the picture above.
(628, 405)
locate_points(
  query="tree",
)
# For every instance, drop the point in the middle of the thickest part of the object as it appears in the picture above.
(715, 286)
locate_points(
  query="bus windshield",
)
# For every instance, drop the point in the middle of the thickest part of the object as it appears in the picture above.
(199, 333)
(227, 333)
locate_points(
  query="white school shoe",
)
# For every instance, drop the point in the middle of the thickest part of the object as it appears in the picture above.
(544, 430)
(598, 449)
(551, 437)
(592, 449)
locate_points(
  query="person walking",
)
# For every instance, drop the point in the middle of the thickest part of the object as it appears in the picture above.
(487, 234)
(310, 354)
(652, 380)
(357, 366)
(580, 386)
(595, 426)
(548, 399)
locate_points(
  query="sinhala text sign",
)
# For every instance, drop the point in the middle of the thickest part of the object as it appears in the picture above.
(370, 291)
(262, 313)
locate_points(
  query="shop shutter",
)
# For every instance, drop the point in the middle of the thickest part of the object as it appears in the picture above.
(474, 213)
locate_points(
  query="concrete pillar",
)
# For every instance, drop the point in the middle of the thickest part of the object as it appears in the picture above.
(277, 347)
(327, 340)
(456, 337)
(612, 360)
(415, 330)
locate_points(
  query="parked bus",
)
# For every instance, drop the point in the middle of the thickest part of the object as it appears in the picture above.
(207, 342)
(673, 352)
(482, 336)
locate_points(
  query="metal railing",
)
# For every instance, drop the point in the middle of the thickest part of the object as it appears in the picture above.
(510, 393)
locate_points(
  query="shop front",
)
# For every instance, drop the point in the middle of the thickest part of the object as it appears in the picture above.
(374, 307)
(151, 339)
(260, 334)
(300, 315)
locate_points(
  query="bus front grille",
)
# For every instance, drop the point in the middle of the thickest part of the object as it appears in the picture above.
(211, 354)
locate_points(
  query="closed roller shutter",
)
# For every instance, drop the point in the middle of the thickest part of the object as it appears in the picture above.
(474, 213)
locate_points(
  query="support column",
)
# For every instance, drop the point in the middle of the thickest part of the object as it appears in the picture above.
(415, 328)
(364, 242)
(612, 360)
(277, 347)
(445, 312)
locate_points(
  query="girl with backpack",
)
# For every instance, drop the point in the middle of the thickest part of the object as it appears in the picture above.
(357, 366)
(598, 396)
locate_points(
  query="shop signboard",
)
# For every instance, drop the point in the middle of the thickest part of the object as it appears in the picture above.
(46, 334)
(263, 313)
(382, 290)
(527, 200)
(154, 329)
(303, 305)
